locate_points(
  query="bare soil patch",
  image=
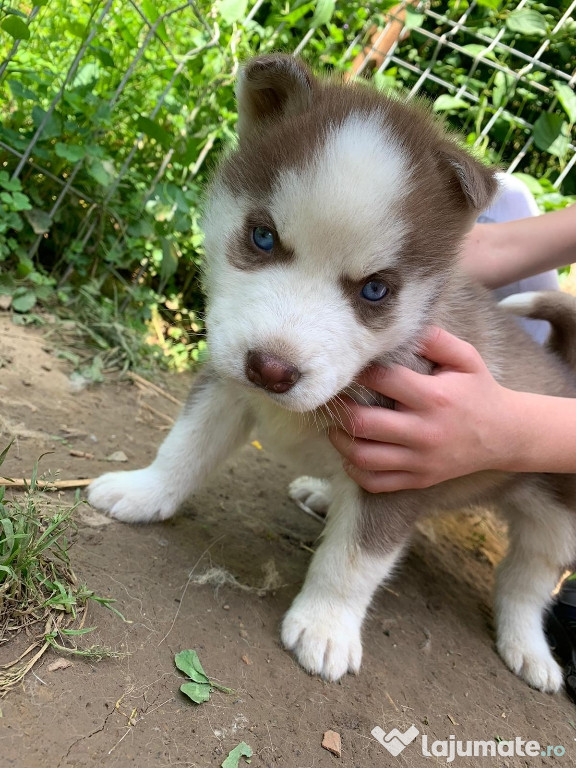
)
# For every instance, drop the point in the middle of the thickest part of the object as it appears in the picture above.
(429, 658)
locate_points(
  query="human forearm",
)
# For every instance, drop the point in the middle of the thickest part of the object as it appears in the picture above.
(498, 254)
(539, 434)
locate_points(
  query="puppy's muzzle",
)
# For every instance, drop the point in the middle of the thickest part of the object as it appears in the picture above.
(270, 372)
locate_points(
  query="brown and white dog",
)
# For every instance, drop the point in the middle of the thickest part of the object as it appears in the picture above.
(332, 240)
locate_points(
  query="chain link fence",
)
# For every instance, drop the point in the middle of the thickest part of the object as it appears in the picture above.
(112, 113)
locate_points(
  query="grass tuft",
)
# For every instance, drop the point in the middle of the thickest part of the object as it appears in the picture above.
(39, 592)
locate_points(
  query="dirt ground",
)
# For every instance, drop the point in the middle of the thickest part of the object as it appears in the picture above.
(429, 657)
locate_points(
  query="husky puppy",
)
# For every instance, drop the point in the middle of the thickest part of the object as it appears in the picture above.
(332, 240)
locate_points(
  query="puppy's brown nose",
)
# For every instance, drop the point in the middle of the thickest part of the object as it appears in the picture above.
(270, 372)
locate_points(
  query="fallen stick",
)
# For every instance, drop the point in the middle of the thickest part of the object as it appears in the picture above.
(145, 383)
(46, 485)
(164, 416)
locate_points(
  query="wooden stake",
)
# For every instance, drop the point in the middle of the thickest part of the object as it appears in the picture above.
(46, 486)
(154, 387)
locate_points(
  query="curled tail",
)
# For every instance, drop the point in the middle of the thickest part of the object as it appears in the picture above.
(559, 309)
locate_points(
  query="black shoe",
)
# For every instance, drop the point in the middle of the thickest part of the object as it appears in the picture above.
(561, 631)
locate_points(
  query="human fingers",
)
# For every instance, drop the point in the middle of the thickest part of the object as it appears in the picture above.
(371, 455)
(384, 482)
(373, 422)
(449, 351)
(398, 383)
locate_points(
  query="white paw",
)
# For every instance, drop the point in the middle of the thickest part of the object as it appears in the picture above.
(324, 638)
(314, 492)
(140, 496)
(533, 662)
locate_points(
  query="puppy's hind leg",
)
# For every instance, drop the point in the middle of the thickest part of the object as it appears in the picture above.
(323, 625)
(542, 543)
(212, 424)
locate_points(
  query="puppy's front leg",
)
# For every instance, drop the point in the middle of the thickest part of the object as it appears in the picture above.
(214, 421)
(323, 625)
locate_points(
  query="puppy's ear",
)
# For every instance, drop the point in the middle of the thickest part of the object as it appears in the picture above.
(477, 182)
(270, 87)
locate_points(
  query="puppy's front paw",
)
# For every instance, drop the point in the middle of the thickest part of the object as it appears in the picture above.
(140, 496)
(324, 638)
(311, 491)
(530, 659)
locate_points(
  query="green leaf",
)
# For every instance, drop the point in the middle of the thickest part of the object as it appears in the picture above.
(189, 663)
(232, 10)
(87, 75)
(198, 692)
(169, 263)
(567, 98)
(552, 134)
(476, 50)
(504, 85)
(39, 220)
(153, 130)
(233, 759)
(323, 12)
(15, 27)
(99, 172)
(446, 102)
(533, 184)
(152, 13)
(53, 126)
(492, 4)
(414, 20)
(23, 300)
(16, 201)
(104, 55)
(527, 22)
(71, 152)
(20, 91)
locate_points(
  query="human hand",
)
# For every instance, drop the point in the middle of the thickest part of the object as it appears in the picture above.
(454, 422)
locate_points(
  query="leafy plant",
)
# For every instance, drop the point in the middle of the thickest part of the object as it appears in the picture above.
(200, 686)
(111, 120)
(37, 583)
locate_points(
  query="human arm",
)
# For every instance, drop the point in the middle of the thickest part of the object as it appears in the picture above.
(454, 422)
(498, 254)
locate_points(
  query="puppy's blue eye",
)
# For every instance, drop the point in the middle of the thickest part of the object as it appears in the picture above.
(263, 238)
(374, 290)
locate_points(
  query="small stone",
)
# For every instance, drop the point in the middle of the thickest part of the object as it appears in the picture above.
(243, 633)
(247, 661)
(226, 607)
(333, 743)
(60, 663)
(117, 456)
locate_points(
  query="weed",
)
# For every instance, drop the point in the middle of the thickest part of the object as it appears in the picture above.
(39, 592)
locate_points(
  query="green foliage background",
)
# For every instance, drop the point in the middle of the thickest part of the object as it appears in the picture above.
(102, 222)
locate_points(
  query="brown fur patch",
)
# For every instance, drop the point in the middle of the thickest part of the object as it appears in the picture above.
(448, 187)
(244, 254)
(374, 314)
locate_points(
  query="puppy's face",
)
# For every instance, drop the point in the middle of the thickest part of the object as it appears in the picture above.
(329, 232)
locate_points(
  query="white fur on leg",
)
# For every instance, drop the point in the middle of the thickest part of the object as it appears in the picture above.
(210, 427)
(541, 544)
(314, 492)
(140, 496)
(323, 625)
(519, 303)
